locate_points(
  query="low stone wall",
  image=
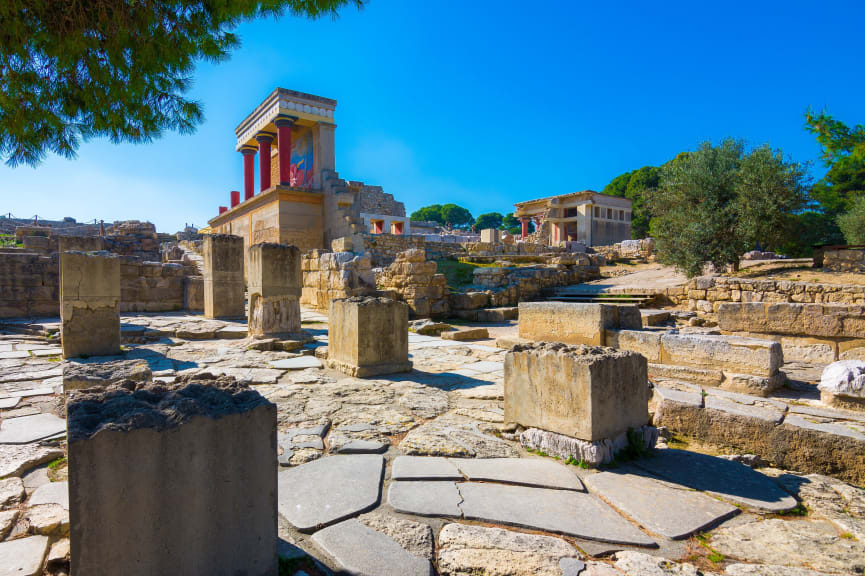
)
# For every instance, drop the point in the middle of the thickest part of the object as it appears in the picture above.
(413, 280)
(331, 275)
(706, 294)
(807, 332)
(510, 286)
(848, 260)
(383, 248)
(29, 285)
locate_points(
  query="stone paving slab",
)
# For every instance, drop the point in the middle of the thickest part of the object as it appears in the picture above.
(837, 428)
(424, 468)
(326, 491)
(728, 480)
(51, 493)
(362, 551)
(27, 429)
(361, 447)
(16, 459)
(689, 398)
(23, 557)
(425, 498)
(662, 509)
(523, 471)
(561, 511)
(772, 415)
(297, 363)
(6, 403)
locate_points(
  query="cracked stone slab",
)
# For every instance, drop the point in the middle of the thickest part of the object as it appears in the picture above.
(424, 468)
(6, 403)
(16, 459)
(662, 509)
(27, 429)
(297, 363)
(362, 551)
(639, 564)
(524, 471)
(326, 491)
(466, 550)
(23, 557)
(772, 415)
(425, 498)
(561, 511)
(770, 570)
(723, 478)
(360, 447)
(11, 491)
(51, 493)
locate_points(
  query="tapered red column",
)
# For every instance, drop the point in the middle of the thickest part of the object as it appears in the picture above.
(525, 224)
(283, 127)
(264, 141)
(248, 172)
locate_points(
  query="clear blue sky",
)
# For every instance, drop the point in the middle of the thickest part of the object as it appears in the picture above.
(486, 103)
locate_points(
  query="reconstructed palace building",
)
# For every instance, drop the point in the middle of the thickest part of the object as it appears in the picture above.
(589, 217)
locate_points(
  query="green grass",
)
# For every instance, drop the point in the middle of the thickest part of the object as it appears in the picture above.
(848, 536)
(799, 510)
(579, 463)
(714, 556)
(53, 465)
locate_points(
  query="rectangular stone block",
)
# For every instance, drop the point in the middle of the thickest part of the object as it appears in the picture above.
(177, 479)
(645, 342)
(727, 353)
(587, 392)
(275, 285)
(823, 320)
(368, 336)
(491, 236)
(223, 276)
(89, 304)
(575, 323)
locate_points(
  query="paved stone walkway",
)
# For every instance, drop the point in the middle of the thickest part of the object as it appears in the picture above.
(417, 473)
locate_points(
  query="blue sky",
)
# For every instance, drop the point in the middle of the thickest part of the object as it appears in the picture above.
(486, 103)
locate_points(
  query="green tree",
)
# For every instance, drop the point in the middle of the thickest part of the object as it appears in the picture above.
(431, 213)
(640, 186)
(844, 155)
(456, 216)
(113, 68)
(715, 203)
(618, 185)
(488, 220)
(513, 226)
(852, 222)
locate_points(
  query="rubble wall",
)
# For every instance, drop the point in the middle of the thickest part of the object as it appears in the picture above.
(706, 294)
(331, 275)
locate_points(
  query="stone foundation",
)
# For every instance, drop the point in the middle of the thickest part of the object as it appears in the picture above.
(223, 276)
(413, 280)
(177, 479)
(591, 453)
(89, 296)
(589, 393)
(275, 281)
(331, 275)
(368, 336)
(574, 323)
(706, 294)
(849, 260)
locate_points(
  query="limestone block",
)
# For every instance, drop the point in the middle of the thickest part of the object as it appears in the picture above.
(177, 479)
(368, 336)
(728, 353)
(275, 279)
(843, 384)
(466, 334)
(574, 323)
(590, 393)
(644, 342)
(89, 304)
(223, 276)
(825, 320)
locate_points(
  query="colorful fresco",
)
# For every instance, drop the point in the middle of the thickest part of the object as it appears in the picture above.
(301, 158)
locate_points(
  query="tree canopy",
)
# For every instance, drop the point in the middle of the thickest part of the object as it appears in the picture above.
(852, 222)
(719, 201)
(488, 220)
(636, 186)
(444, 214)
(113, 68)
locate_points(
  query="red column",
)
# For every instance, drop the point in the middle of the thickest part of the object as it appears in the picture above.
(235, 198)
(283, 143)
(525, 224)
(223, 209)
(248, 172)
(264, 141)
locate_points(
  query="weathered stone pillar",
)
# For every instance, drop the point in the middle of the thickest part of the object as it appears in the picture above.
(275, 283)
(264, 141)
(368, 336)
(223, 276)
(174, 479)
(89, 301)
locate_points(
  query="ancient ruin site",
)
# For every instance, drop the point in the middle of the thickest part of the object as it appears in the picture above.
(660, 373)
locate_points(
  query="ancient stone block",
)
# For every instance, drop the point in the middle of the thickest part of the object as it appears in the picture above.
(177, 479)
(842, 384)
(89, 299)
(727, 353)
(275, 281)
(491, 235)
(368, 336)
(575, 323)
(223, 276)
(586, 392)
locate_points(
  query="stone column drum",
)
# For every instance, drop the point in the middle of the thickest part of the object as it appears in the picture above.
(89, 302)
(172, 479)
(275, 283)
(368, 336)
(223, 276)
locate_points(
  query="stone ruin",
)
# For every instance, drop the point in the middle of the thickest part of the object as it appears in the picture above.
(274, 290)
(89, 295)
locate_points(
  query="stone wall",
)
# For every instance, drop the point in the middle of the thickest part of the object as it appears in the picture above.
(29, 285)
(331, 275)
(413, 280)
(383, 248)
(374, 200)
(510, 286)
(851, 260)
(706, 294)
